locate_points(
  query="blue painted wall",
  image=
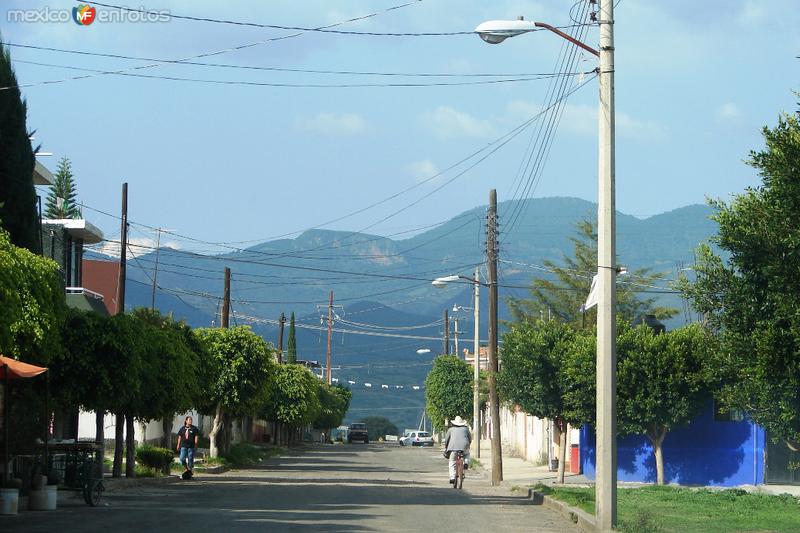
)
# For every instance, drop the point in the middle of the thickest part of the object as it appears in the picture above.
(706, 452)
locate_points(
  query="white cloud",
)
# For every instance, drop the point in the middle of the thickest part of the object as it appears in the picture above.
(581, 119)
(751, 13)
(448, 123)
(137, 246)
(728, 112)
(422, 170)
(332, 124)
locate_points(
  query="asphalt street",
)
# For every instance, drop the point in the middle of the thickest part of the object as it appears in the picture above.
(355, 487)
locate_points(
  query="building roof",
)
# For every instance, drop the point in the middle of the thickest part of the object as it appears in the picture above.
(42, 176)
(79, 228)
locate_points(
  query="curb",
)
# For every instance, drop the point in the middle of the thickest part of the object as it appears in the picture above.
(581, 518)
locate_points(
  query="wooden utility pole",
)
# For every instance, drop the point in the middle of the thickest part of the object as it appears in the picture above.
(123, 243)
(491, 253)
(330, 334)
(226, 299)
(280, 338)
(446, 348)
(119, 423)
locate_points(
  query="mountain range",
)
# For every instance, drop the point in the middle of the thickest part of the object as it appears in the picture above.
(386, 308)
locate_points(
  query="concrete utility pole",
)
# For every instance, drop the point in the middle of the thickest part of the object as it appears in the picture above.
(606, 483)
(226, 299)
(330, 334)
(476, 392)
(491, 252)
(280, 338)
(455, 335)
(446, 340)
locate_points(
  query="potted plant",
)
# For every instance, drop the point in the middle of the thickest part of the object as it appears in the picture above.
(9, 496)
(44, 495)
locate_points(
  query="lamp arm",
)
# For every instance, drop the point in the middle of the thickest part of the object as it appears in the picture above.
(568, 37)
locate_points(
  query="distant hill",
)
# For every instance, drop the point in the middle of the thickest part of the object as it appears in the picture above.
(297, 274)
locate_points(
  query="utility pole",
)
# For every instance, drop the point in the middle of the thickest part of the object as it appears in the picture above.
(280, 338)
(491, 253)
(446, 340)
(330, 334)
(226, 299)
(476, 392)
(123, 241)
(606, 483)
(455, 335)
(155, 271)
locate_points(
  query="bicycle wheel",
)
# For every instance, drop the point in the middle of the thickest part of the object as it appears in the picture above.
(459, 472)
(95, 488)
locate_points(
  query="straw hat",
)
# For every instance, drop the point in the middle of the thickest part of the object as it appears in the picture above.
(458, 421)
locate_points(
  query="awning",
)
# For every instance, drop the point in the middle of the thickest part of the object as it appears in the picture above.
(14, 369)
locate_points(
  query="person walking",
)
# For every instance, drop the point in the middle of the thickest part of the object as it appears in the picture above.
(458, 438)
(188, 437)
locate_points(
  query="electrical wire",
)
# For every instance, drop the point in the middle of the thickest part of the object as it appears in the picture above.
(286, 85)
(280, 69)
(212, 53)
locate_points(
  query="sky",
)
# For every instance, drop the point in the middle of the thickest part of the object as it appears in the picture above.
(695, 83)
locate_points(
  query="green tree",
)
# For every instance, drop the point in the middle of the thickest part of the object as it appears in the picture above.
(334, 402)
(291, 345)
(561, 297)
(751, 298)
(379, 426)
(237, 376)
(533, 374)
(294, 401)
(64, 189)
(448, 390)
(18, 214)
(661, 383)
(33, 303)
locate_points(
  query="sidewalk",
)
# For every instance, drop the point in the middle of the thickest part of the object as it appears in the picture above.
(517, 471)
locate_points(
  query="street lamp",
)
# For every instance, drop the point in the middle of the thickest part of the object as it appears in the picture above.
(476, 415)
(494, 32)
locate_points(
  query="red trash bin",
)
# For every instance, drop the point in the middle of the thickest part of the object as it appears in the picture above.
(575, 459)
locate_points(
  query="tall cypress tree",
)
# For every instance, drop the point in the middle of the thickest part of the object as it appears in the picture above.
(18, 213)
(291, 347)
(63, 188)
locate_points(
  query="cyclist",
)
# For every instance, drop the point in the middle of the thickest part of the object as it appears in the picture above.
(458, 438)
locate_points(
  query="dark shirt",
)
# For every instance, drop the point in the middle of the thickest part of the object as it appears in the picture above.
(187, 435)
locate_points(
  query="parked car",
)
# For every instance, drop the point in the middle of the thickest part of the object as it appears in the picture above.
(357, 431)
(416, 438)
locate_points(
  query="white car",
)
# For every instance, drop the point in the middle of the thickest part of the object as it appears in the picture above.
(416, 438)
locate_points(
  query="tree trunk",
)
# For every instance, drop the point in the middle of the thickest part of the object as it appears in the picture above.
(216, 425)
(130, 447)
(99, 436)
(562, 449)
(166, 429)
(119, 436)
(656, 436)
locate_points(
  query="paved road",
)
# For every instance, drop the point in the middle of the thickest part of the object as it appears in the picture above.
(327, 488)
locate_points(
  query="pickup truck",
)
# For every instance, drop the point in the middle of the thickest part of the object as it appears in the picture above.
(357, 431)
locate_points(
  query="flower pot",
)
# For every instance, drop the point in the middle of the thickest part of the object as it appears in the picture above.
(44, 499)
(9, 501)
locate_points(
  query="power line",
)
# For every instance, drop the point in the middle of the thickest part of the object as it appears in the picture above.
(280, 85)
(281, 69)
(213, 53)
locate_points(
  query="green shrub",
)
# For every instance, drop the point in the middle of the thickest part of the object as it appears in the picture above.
(153, 457)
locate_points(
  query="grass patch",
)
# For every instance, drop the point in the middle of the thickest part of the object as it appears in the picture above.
(684, 510)
(146, 471)
(244, 455)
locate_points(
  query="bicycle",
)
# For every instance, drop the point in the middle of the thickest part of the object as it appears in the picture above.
(459, 481)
